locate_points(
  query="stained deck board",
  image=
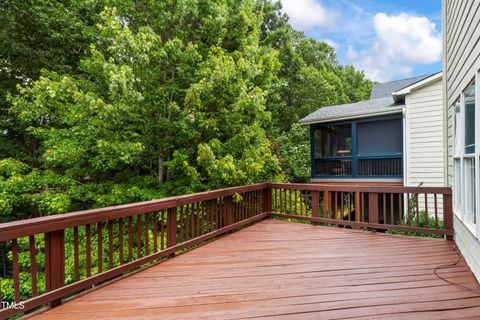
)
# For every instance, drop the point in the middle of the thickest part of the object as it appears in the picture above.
(284, 270)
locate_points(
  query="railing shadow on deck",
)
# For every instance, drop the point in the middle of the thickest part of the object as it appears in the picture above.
(60, 255)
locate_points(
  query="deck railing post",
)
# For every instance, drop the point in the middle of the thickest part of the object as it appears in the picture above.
(55, 262)
(373, 208)
(267, 199)
(315, 206)
(229, 209)
(448, 212)
(171, 228)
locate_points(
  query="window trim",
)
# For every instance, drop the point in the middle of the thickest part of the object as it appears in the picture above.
(459, 155)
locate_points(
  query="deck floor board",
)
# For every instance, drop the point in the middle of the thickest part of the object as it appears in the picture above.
(283, 270)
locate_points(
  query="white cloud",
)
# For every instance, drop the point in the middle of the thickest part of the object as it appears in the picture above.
(401, 41)
(331, 43)
(352, 54)
(306, 14)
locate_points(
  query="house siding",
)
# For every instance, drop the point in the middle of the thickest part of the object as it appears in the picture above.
(425, 143)
(462, 57)
(461, 60)
(425, 155)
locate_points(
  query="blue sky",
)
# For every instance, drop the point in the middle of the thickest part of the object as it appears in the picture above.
(388, 40)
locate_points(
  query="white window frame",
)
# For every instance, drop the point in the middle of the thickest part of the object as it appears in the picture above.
(458, 154)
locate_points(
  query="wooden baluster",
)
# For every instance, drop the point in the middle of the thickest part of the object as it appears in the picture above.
(110, 244)
(33, 265)
(229, 210)
(384, 208)
(54, 262)
(162, 229)
(130, 238)
(88, 256)
(357, 209)
(204, 217)
(120, 240)
(211, 217)
(139, 236)
(100, 247)
(285, 201)
(187, 221)
(16, 271)
(155, 232)
(180, 237)
(217, 213)
(349, 206)
(279, 201)
(363, 207)
(171, 228)
(392, 220)
(342, 206)
(197, 213)
(335, 206)
(408, 209)
(315, 206)
(290, 201)
(76, 270)
(301, 203)
(400, 208)
(267, 199)
(147, 236)
(436, 210)
(426, 210)
(295, 196)
(417, 211)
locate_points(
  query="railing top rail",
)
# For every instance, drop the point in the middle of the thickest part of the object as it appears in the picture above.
(23, 228)
(372, 189)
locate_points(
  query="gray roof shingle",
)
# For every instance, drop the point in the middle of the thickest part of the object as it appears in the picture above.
(382, 90)
(354, 110)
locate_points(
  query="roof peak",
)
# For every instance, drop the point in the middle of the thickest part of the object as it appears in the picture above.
(386, 89)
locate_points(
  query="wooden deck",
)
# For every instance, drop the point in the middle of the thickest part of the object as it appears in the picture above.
(284, 270)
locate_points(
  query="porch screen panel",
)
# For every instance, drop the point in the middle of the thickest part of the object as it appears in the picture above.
(380, 137)
(333, 141)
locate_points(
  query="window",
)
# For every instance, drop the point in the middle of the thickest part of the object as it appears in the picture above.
(469, 182)
(456, 128)
(457, 185)
(366, 148)
(380, 137)
(469, 100)
(466, 160)
(333, 141)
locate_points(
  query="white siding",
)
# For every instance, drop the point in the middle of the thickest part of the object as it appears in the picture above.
(468, 245)
(462, 55)
(461, 60)
(424, 136)
(425, 155)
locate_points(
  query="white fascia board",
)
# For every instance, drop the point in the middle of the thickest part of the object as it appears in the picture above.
(418, 85)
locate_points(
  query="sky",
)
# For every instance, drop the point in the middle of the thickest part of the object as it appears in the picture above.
(388, 40)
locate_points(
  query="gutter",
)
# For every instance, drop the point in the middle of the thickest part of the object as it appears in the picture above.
(357, 116)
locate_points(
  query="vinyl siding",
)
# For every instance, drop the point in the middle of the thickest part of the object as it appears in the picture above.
(468, 245)
(425, 145)
(461, 60)
(462, 56)
(425, 155)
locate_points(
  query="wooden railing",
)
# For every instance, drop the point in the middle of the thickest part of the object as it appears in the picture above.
(105, 243)
(57, 256)
(406, 209)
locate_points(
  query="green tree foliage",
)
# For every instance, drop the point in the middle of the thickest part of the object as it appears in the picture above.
(109, 102)
(105, 102)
